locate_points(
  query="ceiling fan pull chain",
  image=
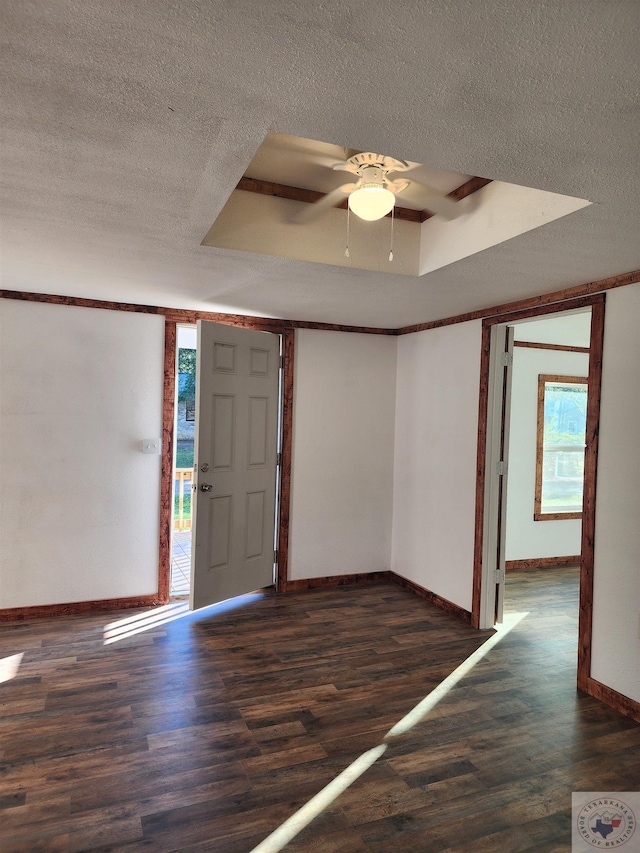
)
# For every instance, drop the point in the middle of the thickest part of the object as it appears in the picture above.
(346, 251)
(391, 248)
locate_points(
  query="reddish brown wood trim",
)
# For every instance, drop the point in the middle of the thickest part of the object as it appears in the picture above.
(288, 352)
(265, 324)
(543, 563)
(255, 185)
(544, 310)
(337, 580)
(554, 377)
(546, 303)
(589, 497)
(41, 611)
(623, 704)
(79, 302)
(442, 603)
(483, 404)
(180, 315)
(166, 482)
(334, 327)
(516, 310)
(596, 301)
(555, 516)
(532, 345)
(191, 317)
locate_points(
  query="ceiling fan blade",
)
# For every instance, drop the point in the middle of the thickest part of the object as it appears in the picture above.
(435, 202)
(346, 167)
(331, 199)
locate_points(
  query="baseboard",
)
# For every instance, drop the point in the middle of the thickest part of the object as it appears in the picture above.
(543, 563)
(44, 610)
(336, 580)
(442, 603)
(380, 577)
(618, 701)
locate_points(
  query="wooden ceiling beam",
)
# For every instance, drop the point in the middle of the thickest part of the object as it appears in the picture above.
(254, 185)
(468, 188)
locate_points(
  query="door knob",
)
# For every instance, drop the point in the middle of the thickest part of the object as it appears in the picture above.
(206, 487)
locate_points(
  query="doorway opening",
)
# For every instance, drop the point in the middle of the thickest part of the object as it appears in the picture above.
(179, 547)
(550, 345)
(183, 453)
(546, 440)
(545, 465)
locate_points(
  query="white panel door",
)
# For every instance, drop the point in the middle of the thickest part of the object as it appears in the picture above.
(236, 442)
(495, 496)
(504, 470)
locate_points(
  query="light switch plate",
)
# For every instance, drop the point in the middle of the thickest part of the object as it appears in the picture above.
(151, 445)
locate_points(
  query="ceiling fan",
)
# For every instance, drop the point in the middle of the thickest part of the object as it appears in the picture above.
(373, 195)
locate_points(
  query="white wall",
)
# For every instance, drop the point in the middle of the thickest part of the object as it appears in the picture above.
(342, 468)
(79, 389)
(526, 538)
(616, 602)
(79, 502)
(570, 328)
(435, 459)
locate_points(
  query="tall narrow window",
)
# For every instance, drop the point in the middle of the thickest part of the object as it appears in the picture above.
(562, 415)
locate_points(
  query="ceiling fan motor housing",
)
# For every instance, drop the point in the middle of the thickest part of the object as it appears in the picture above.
(372, 177)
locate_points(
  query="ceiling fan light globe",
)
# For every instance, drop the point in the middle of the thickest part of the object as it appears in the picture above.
(371, 202)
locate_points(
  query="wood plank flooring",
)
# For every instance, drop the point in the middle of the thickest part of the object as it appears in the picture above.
(206, 731)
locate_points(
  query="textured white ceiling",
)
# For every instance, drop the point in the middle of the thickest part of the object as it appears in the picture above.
(126, 127)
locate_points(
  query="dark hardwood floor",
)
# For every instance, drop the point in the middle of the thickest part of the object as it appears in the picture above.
(206, 732)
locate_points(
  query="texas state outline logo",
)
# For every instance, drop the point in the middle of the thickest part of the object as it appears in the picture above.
(606, 822)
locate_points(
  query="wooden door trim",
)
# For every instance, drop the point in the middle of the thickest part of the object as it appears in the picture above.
(166, 475)
(168, 419)
(589, 497)
(286, 449)
(543, 563)
(597, 304)
(559, 347)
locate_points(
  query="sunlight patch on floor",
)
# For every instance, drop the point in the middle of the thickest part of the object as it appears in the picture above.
(431, 700)
(140, 622)
(130, 626)
(288, 830)
(9, 667)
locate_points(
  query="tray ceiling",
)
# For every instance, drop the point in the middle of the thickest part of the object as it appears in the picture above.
(127, 127)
